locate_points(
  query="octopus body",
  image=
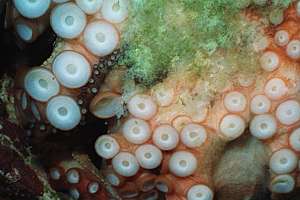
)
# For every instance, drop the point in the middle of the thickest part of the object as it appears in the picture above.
(175, 132)
(59, 91)
(175, 135)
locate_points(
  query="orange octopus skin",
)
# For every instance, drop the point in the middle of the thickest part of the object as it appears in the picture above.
(269, 106)
(26, 30)
(37, 26)
(69, 175)
(109, 93)
(73, 54)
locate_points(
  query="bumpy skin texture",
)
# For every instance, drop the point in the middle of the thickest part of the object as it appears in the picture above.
(243, 170)
(39, 128)
(175, 118)
(174, 134)
(87, 48)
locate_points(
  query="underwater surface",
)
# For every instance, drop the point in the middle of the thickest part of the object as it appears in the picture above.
(150, 100)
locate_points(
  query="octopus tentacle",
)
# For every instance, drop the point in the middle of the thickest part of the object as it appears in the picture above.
(187, 130)
(69, 175)
(62, 87)
(173, 136)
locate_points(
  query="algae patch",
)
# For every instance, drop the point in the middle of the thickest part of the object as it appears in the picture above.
(161, 34)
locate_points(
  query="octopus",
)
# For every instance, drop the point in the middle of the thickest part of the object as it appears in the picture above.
(57, 93)
(172, 142)
(175, 137)
(71, 174)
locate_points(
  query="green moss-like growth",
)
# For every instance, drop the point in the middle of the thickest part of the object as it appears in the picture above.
(281, 3)
(162, 34)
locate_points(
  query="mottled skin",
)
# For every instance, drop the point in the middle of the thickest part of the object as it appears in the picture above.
(190, 105)
(183, 109)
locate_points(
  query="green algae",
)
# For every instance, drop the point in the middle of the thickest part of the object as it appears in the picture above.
(6, 85)
(162, 34)
(281, 3)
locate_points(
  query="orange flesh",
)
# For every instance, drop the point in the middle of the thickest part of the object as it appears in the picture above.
(178, 113)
